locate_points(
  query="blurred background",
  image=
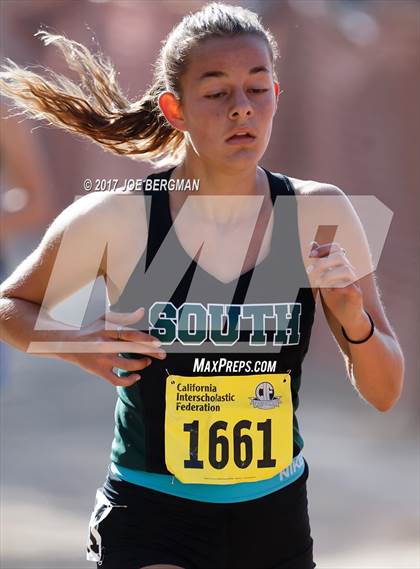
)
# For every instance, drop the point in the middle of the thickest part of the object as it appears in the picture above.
(348, 115)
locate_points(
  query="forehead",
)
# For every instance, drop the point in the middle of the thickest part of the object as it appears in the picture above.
(229, 55)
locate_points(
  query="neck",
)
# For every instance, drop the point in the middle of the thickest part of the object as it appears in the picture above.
(225, 196)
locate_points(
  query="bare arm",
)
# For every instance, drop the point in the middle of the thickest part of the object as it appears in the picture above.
(375, 367)
(347, 286)
(38, 283)
(70, 255)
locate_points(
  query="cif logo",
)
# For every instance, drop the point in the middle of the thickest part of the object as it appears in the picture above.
(265, 397)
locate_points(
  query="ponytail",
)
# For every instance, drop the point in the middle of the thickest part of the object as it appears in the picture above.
(97, 109)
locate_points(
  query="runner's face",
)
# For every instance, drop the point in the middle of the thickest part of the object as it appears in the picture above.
(229, 84)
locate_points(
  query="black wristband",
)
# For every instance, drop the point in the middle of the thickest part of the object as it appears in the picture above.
(360, 341)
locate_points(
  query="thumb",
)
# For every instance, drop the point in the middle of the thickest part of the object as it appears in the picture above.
(313, 248)
(124, 318)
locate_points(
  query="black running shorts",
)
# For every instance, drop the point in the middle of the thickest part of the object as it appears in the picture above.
(272, 532)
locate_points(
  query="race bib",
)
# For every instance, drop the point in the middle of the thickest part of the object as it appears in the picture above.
(228, 429)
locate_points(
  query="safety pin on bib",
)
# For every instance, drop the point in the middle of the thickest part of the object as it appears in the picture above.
(173, 477)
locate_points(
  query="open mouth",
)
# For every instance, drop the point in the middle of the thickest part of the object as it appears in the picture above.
(241, 137)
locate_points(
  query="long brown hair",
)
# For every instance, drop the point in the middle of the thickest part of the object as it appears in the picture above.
(99, 110)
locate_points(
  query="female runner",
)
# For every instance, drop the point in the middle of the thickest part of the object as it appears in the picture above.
(212, 300)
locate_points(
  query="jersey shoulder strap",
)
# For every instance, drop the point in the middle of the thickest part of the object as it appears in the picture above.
(280, 184)
(157, 212)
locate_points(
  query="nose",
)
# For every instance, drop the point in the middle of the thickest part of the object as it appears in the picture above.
(241, 106)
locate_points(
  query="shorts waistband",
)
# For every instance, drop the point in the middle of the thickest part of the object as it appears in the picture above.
(216, 493)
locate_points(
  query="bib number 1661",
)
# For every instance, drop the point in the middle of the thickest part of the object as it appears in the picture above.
(240, 443)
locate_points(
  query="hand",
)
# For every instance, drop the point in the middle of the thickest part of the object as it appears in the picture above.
(335, 276)
(111, 341)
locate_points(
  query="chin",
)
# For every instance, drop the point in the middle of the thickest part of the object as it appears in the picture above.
(242, 158)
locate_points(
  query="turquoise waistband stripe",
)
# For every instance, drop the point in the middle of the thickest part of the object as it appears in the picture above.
(217, 493)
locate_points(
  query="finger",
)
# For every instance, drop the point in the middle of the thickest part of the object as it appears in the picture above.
(145, 349)
(331, 277)
(124, 318)
(113, 347)
(120, 381)
(130, 335)
(332, 262)
(126, 364)
(325, 249)
(317, 268)
(313, 246)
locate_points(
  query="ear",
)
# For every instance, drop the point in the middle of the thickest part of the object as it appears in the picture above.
(276, 90)
(171, 108)
(276, 94)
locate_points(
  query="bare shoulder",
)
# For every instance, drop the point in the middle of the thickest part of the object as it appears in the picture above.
(123, 226)
(324, 207)
(101, 210)
(97, 234)
(110, 217)
(313, 188)
(113, 207)
(322, 203)
(105, 227)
